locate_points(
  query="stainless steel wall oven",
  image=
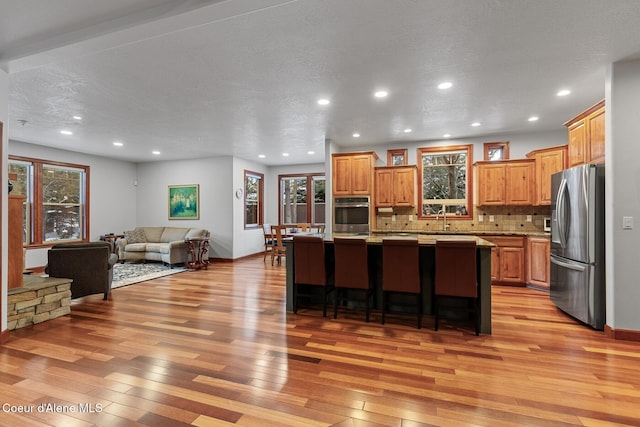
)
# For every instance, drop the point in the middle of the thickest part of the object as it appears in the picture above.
(351, 215)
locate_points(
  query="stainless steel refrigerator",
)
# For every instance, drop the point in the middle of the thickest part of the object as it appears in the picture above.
(577, 243)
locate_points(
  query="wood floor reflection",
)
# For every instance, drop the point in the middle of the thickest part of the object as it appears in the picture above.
(216, 347)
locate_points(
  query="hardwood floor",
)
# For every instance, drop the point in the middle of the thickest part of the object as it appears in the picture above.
(216, 347)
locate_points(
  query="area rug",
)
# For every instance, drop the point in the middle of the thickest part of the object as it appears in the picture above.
(130, 273)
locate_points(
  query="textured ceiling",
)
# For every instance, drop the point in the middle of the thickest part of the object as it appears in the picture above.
(242, 77)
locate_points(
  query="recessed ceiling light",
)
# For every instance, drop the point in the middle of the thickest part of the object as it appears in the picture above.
(77, 118)
(407, 130)
(285, 154)
(563, 92)
(446, 135)
(533, 119)
(118, 143)
(475, 124)
(356, 135)
(311, 152)
(381, 94)
(262, 156)
(66, 132)
(445, 85)
(155, 152)
(323, 101)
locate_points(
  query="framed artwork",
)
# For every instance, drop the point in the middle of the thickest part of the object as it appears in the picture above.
(397, 157)
(184, 201)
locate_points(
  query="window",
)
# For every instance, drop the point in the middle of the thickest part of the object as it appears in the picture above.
(496, 150)
(253, 199)
(446, 180)
(295, 204)
(397, 157)
(57, 202)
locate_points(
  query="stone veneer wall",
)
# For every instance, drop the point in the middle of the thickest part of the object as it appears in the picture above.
(39, 300)
(506, 219)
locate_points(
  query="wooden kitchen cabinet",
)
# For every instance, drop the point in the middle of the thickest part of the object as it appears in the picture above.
(395, 186)
(547, 162)
(587, 136)
(505, 183)
(353, 173)
(538, 261)
(507, 260)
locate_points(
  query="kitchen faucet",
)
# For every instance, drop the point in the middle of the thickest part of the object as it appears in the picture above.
(444, 218)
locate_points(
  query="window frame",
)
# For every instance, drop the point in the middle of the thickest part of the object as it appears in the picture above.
(260, 208)
(469, 175)
(309, 177)
(504, 145)
(35, 204)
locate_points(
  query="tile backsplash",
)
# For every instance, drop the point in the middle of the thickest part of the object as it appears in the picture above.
(505, 219)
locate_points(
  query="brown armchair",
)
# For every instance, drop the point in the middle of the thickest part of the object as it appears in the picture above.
(90, 265)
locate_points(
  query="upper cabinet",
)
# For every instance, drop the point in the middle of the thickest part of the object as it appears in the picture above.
(548, 161)
(586, 136)
(505, 183)
(353, 173)
(395, 186)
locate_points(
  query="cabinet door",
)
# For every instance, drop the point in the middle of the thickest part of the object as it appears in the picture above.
(519, 180)
(384, 188)
(361, 173)
(547, 164)
(404, 183)
(577, 144)
(491, 184)
(512, 265)
(495, 264)
(596, 137)
(342, 176)
(538, 262)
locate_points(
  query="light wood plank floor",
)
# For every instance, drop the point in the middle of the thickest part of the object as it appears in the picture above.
(216, 347)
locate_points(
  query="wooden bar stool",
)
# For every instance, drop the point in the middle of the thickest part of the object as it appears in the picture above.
(351, 273)
(401, 272)
(456, 278)
(310, 269)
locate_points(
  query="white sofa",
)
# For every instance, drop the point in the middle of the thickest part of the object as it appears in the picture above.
(166, 244)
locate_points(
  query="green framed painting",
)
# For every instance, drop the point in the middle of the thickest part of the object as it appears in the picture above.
(184, 201)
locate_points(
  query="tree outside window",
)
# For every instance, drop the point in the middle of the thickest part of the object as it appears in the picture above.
(295, 204)
(253, 199)
(56, 203)
(445, 173)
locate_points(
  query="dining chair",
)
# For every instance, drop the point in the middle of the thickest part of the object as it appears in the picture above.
(352, 282)
(401, 273)
(310, 269)
(268, 240)
(456, 278)
(278, 250)
(303, 226)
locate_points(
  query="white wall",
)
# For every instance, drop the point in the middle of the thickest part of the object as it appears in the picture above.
(112, 201)
(623, 194)
(4, 118)
(215, 178)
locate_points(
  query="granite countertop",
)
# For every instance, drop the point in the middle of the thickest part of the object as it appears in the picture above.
(423, 239)
(463, 233)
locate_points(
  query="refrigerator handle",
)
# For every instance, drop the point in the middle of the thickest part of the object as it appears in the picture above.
(561, 214)
(575, 267)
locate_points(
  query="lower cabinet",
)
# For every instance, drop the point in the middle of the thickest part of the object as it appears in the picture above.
(507, 260)
(538, 262)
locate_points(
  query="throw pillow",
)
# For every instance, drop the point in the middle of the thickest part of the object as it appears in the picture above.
(135, 236)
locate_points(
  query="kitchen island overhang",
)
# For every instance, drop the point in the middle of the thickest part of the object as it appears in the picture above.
(427, 244)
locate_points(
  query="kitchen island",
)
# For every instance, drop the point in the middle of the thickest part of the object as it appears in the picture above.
(427, 245)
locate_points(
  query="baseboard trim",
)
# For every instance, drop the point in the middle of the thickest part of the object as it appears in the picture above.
(621, 334)
(259, 254)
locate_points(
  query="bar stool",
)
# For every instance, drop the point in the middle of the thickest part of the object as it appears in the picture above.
(401, 272)
(351, 273)
(310, 269)
(456, 278)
